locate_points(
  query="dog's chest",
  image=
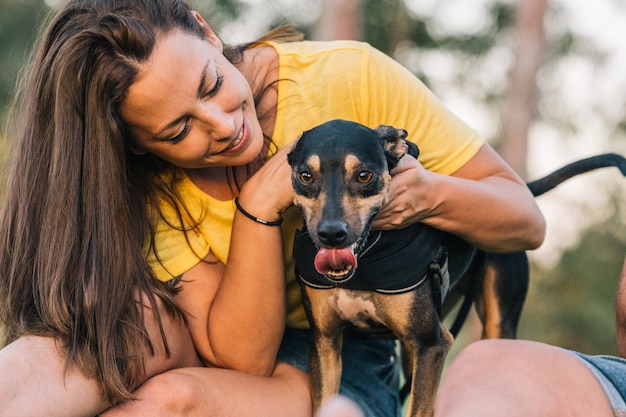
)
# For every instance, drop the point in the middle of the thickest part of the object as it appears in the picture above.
(358, 307)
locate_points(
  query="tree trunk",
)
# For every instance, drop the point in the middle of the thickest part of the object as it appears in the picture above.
(340, 19)
(521, 105)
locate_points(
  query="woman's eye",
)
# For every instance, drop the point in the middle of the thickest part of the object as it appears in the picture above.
(218, 84)
(183, 133)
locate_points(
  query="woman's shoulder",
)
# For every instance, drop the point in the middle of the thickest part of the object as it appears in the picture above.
(314, 48)
(340, 58)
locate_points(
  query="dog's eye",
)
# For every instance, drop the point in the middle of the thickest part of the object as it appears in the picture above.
(306, 177)
(364, 177)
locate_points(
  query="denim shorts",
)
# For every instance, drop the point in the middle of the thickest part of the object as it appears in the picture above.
(370, 374)
(611, 373)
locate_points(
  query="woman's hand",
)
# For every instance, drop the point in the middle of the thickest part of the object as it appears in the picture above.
(484, 202)
(269, 190)
(410, 182)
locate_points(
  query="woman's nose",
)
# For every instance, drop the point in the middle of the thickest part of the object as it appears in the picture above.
(221, 125)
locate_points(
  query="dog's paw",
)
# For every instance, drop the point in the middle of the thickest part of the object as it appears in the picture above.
(395, 144)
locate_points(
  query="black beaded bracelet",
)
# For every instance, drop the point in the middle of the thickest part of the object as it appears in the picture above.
(256, 219)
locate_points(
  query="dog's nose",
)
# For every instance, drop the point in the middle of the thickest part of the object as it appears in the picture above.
(333, 233)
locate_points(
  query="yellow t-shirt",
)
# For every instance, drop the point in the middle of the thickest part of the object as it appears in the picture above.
(321, 81)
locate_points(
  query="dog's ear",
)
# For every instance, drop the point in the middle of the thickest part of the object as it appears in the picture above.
(395, 144)
(291, 155)
(414, 151)
(290, 158)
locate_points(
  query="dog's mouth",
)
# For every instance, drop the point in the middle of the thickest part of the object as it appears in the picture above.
(336, 264)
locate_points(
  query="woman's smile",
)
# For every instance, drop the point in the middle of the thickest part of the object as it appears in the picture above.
(237, 140)
(240, 141)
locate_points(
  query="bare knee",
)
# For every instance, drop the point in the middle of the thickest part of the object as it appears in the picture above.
(487, 362)
(484, 355)
(476, 379)
(498, 377)
(35, 381)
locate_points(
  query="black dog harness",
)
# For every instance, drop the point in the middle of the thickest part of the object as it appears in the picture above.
(392, 262)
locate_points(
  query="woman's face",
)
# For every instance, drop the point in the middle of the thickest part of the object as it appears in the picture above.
(192, 107)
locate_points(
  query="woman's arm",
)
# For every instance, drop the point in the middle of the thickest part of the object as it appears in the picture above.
(236, 313)
(483, 202)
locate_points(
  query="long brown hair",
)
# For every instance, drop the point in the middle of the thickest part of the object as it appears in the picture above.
(76, 206)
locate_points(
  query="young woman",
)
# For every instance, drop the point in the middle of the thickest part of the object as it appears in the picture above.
(524, 378)
(144, 272)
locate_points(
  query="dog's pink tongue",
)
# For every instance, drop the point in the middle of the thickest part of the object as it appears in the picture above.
(328, 260)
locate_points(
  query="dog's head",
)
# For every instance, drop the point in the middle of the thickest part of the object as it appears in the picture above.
(341, 174)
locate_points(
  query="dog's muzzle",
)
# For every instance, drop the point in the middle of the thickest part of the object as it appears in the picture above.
(395, 261)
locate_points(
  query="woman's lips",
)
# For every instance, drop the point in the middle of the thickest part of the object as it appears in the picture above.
(237, 140)
(241, 139)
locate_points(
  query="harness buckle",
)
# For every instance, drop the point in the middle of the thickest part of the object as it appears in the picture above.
(439, 278)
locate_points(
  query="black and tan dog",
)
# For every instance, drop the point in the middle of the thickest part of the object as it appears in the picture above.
(340, 174)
